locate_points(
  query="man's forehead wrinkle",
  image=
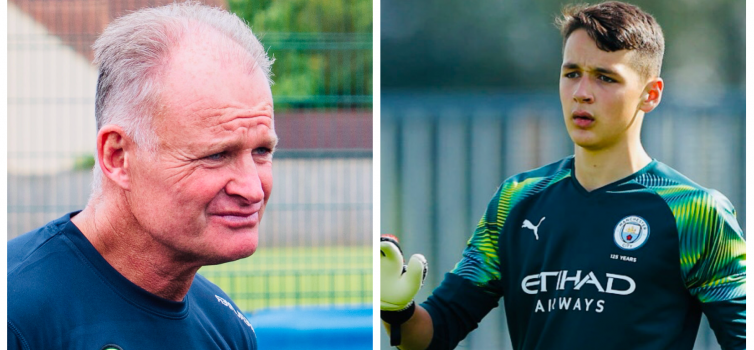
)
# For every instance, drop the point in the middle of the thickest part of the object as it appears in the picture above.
(232, 118)
(246, 121)
(237, 131)
(224, 115)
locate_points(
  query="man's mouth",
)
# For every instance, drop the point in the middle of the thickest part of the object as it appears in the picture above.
(238, 219)
(582, 119)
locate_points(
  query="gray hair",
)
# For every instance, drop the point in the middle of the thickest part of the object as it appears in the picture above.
(134, 49)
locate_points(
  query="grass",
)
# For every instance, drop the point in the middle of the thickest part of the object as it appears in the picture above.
(297, 276)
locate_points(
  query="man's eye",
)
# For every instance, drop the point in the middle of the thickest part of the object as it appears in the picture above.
(571, 75)
(606, 79)
(216, 156)
(262, 151)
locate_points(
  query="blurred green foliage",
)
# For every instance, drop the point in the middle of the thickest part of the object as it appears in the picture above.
(84, 162)
(322, 49)
(306, 16)
(513, 44)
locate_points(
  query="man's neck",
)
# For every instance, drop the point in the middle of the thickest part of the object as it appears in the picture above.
(595, 169)
(133, 252)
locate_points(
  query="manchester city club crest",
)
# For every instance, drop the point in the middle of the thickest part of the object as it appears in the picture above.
(631, 232)
(111, 347)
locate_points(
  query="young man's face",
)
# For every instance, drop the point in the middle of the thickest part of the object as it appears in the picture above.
(601, 93)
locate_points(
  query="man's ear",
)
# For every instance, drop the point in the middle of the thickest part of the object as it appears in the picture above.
(114, 148)
(652, 95)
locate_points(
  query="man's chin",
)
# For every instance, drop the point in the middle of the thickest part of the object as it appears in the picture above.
(231, 245)
(226, 256)
(242, 254)
(243, 248)
(585, 140)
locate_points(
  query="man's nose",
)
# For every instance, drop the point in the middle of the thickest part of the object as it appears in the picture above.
(583, 92)
(246, 182)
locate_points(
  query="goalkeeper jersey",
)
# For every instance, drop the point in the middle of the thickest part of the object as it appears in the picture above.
(62, 294)
(631, 265)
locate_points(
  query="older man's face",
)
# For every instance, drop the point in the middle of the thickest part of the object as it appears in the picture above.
(203, 195)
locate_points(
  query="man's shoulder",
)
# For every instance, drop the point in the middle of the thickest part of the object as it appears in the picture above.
(218, 306)
(678, 190)
(25, 246)
(539, 178)
(558, 167)
(203, 286)
(700, 213)
(660, 174)
(517, 188)
(38, 257)
(40, 265)
(208, 294)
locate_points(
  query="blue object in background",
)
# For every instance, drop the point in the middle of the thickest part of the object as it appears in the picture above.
(313, 328)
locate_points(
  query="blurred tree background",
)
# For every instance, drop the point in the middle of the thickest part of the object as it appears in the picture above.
(513, 44)
(327, 60)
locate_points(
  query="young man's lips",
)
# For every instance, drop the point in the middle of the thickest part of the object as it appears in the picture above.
(582, 119)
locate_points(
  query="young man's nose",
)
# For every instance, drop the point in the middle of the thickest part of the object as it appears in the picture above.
(583, 92)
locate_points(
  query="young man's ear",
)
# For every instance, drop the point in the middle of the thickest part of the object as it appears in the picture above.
(113, 150)
(652, 95)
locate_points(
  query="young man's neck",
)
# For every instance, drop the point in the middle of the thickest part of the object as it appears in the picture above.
(595, 169)
(132, 252)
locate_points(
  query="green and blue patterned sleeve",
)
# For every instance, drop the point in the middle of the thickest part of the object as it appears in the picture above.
(713, 262)
(472, 289)
(480, 263)
(469, 292)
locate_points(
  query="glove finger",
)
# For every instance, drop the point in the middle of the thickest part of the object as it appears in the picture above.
(391, 258)
(392, 239)
(389, 237)
(416, 271)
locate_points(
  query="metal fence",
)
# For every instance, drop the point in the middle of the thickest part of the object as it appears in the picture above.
(315, 238)
(321, 69)
(443, 157)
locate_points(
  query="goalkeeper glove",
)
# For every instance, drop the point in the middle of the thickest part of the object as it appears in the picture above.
(398, 284)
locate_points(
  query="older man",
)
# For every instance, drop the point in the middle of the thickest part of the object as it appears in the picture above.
(184, 171)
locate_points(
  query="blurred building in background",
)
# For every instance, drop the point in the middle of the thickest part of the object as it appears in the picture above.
(316, 237)
(470, 97)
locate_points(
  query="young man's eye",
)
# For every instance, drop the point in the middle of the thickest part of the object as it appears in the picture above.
(606, 79)
(571, 75)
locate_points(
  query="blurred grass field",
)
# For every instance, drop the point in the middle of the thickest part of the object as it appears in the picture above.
(297, 276)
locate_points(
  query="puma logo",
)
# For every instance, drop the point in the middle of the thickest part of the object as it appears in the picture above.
(529, 225)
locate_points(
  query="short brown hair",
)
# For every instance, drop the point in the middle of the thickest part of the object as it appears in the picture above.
(618, 26)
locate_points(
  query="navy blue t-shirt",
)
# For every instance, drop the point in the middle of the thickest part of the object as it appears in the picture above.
(62, 294)
(631, 265)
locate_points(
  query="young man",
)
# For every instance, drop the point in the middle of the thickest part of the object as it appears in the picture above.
(606, 249)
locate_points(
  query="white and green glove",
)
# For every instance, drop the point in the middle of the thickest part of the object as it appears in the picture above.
(399, 284)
